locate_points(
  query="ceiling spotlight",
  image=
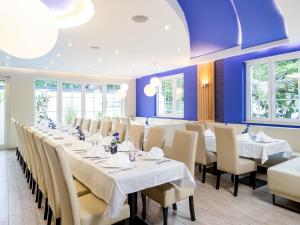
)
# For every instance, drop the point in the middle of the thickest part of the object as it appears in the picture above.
(100, 61)
(140, 19)
(51, 62)
(167, 27)
(6, 64)
(7, 57)
(178, 49)
(117, 52)
(58, 55)
(152, 58)
(89, 67)
(69, 44)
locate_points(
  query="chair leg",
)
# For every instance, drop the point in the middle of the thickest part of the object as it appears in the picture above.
(253, 179)
(215, 168)
(58, 221)
(40, 199)
(236, 184)
(204, 174)
(46, 209)
(200, 168)
(33, 185)
(165, 215)
(144, 201)
(218, 179)
(192, 210)
(37, 194)
(274, 199)
(232, 178)
(49, 216)
(174, 206)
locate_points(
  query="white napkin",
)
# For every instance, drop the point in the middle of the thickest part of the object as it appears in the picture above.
(118, 160)
(208, 133)
(154, 153)
(262, 137)
(243, 137)
(125, 146)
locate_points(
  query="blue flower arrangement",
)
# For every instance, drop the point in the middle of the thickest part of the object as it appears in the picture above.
(51, 124)
(246, 130)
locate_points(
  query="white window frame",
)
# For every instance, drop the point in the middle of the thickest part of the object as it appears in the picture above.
(271, 85)
(173, 78)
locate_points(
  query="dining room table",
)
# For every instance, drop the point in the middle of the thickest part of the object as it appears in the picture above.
(114, 177)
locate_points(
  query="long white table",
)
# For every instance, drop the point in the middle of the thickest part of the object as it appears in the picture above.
(252, 149)
(113, 188)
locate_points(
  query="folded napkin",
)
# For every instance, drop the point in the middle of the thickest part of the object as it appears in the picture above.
(154, 153)
(125, 146)
(118, 160)
(243, 137)
(208, 133)
(262, 137)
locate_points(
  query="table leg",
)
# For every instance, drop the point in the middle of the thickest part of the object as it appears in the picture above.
(132, 201)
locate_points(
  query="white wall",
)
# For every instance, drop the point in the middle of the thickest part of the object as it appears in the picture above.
(21, 93)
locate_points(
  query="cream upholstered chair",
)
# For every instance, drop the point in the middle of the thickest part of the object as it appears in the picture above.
(52, 199)
(155, 138)
(228, 159)
(136, 135)
(106, 126)
(86, 125)
(73, 122)
(203, 157)
(121, 129)
(184, 150)
(79, 122)
(95, 126)
(85, 210)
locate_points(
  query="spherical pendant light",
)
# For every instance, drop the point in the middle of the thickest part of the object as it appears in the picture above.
(155, 82)
(27, 28)
(124, 87)
(121, 94)
(60, 7)
(81, 14)
(149, 90)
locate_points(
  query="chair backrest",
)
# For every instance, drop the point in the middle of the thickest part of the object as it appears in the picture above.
(227, 153)
(121, 129)
(86, 125)
(95, 125)
(20, 146)
(64, 183)
(106, 126)
(155, 138)
(201, 148)
(79, 122)
(26, 146)
(184, 148)
(53, 199)
(73, 122)
(136, 135)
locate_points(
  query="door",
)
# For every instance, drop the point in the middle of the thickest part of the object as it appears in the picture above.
(3, 112)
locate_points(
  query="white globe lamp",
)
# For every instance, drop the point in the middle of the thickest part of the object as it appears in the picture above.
(124, 87)
(155, 82)
(149, 90)
(121, 94)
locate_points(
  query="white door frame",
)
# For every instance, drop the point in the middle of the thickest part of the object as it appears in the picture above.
(6, 107)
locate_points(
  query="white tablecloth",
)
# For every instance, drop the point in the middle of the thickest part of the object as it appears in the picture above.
(113, 188)
(252, 149)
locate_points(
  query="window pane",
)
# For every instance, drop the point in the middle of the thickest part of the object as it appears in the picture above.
(71, 101)
(259, 91)
(93, 101)
(45, 100)
(113, 101)
(287, 89)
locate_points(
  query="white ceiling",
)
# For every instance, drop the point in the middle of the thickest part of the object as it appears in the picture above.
(144, 48)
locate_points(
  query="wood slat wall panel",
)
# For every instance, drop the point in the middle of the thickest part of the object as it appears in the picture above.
(206, 94)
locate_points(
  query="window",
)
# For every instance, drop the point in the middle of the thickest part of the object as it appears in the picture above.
(93, 101)
(71, 101)
(45, 100)
(273, 89)
(113, 101)
(170, 97)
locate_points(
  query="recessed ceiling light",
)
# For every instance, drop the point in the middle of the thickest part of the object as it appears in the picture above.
(152, 58)
(69, 44)
(100, 61)
(51, 62)
(167, 27)
(117, 52)
(58, 55)
(178, 49)
(140, 19)
(95, 47)
(7, 57)
(89, 67)
(7, 64)
(45, 67)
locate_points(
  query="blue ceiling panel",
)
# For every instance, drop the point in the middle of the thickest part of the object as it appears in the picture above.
(213, 25)
(261, 22)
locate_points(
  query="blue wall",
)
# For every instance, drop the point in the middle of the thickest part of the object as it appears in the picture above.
(146, 106)
(234, 84)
